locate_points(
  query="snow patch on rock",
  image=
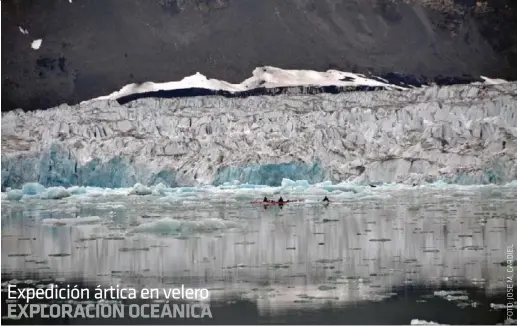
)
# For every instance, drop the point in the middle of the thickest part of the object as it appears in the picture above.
(36, 44)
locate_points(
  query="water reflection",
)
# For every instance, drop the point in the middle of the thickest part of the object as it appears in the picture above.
(360, 249)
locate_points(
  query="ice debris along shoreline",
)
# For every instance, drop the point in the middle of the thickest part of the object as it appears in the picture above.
(234, 191)
(462, 134)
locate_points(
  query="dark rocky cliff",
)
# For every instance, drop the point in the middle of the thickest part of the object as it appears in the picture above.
(94, 47)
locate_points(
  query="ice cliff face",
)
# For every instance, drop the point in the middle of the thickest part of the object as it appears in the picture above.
(459, 134)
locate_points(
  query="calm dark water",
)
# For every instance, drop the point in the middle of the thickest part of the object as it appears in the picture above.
(383, 257)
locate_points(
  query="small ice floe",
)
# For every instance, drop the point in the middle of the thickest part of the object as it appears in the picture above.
(497, 306)
(478, 280)
(36, 44)
(140, 190)
(71, 221)
(14, 195)
(55, 193)
(32, 188)
(171, 226)
(24, 31)
(423, 322)
(380, 297)
(452, 295)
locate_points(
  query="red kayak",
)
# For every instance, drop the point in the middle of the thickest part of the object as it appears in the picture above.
(276, 202)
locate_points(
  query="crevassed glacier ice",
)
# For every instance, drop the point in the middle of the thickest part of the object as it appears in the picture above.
(270, 174)
(465, 134)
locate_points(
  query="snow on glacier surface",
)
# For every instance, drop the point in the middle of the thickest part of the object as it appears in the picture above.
(463, 134)
(267, 77)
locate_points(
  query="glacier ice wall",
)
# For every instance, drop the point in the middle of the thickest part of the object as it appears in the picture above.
(270, 174)
(465, 134)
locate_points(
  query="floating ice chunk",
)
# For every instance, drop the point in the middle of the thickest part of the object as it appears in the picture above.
(77, 190)
(343, 195)
(324, 184)
(72, 221)
(452, 295)
(32, 188)
(165, 225)
(208, 225)
(141, 190)
(160, 190)
(298, 183)
(446, 293)
(172, 226)
(24, 31)
(186, 190)
(423, 322)
(170, 198)
(14, 194)
(36, 44)
(345, 188)
(316, 191)
(497, 306)
(55, 193)
(93, 191)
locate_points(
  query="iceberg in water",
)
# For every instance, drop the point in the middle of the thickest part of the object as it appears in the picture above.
(55, 193)
(33, 188)
(141, 190)
(15, 194)
(172, 226)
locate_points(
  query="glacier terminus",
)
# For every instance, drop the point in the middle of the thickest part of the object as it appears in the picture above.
(463, 134)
